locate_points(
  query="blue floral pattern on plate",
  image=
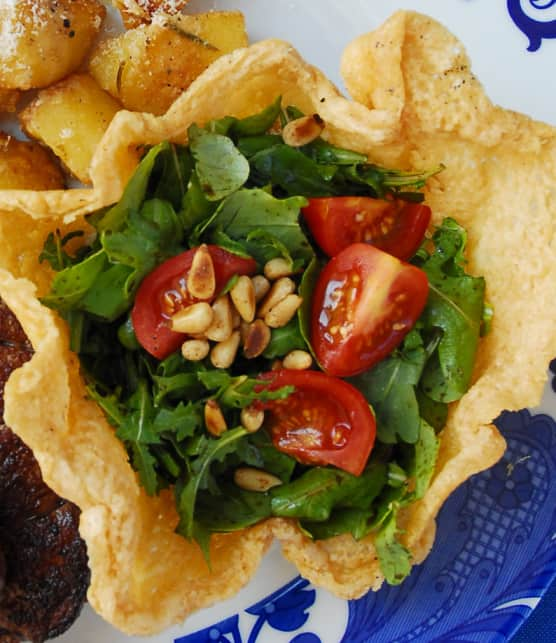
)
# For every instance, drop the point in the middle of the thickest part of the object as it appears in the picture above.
(494, 556)
(535, 28)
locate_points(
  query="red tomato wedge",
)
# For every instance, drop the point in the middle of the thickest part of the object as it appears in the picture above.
(164, 291)
(395, 226)
(364, 304)
(324, 421)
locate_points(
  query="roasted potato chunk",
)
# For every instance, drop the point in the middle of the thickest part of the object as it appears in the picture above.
(70, 118)
(147, 68)
(137, 13)
(26, 165)
(223, 29)
(42, 41)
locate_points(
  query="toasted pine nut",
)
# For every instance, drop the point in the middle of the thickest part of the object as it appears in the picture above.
(222, 325)
(252, 479)
(298, 360)
(201, 281)
(252, 418)
(302, 131)
(193, 320)
(276, 268)
(243, 296)
(214, 418)
(257, 338)
(261, 286)
(277, 365)
(195, 350)
(224, 353)
(236, 318)
(280, 290)
(281, 314)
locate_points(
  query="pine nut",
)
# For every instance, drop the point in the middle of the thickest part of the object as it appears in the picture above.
(222, 324)
(201, 281)
(257, 338)
(298, 360)
(214, 419)
(302, 131)
(281, 314)
(261, 286)
(276, 268)
(252, 479)
(252, 418)
(236, 318)
(243, 296)
(194, 319)
(224, 353)
(280, 290)
(277, 365)
(195, 350)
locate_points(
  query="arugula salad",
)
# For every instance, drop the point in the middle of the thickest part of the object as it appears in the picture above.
(271, 332)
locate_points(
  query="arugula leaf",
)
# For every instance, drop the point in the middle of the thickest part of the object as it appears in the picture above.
(171, 175)
(104, 283)
(145, 464)
(394, 558)
(246, 210)
(186, 492)
(390, 388)
(314, 494)
(233, 509)
(183, 420)
(292, 171)
(426, 453)
(135, 192)
(341, 521)
(455, 305)
(53, 251)
(257, 123)
(237, 392)
(220, 167)
(285, 339)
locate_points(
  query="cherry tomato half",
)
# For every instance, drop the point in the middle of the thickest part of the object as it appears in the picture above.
(395, 226)
(324, 421)
(364, 304)
(164, 291)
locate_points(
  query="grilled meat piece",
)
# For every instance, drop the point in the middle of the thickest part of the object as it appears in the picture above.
(44, 573)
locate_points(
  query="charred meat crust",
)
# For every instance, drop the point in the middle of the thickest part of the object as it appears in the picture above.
(44, 573)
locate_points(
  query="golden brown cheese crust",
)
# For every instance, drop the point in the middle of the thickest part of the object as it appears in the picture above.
(415, 111)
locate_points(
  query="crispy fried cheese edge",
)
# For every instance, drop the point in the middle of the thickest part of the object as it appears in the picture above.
(414, 110)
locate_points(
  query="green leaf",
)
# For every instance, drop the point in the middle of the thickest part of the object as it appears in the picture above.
(292, 171)
(195, 206)
(285, 339)
(137, 425)
(246, 210)
(341, 521)
(426, 453)
(257, 124)
(455, 306)
(233, 509)
(220, 167)
(145, 464)
(186, 493)
(390, 388)
(135, 192)
(183, 420)
(393, 557)
(71, 284)
(53, 250)
(314, 494)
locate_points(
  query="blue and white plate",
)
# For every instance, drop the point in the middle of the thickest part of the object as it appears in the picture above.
(495, 551)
